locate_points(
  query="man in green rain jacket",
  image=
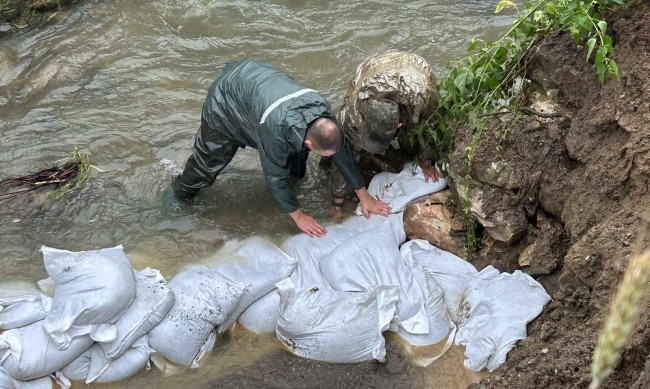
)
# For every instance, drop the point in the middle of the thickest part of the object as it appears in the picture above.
(252, 104)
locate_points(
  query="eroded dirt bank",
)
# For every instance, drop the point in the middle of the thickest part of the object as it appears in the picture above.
(565, 200)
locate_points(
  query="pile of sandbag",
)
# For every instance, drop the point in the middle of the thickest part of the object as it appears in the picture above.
(106, 321)
(100, 307)
(361, 278)
(329, 299)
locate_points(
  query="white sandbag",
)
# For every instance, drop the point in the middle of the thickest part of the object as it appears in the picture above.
(204, 299)
(77, 369)
(93, 289)
(401, 188)
(440, 325)
(373, 258)
(8, 382)
(30, 353)
(333, 326)
(309, 251)
(93, 366)
(450, 272)
(20, 311)
(132, 361)
(262, 316)
(153, 300)
(498, 307)
(262, 264)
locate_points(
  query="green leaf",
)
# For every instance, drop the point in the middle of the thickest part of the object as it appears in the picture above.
(551, 8)
(590, 46)
(492, 83)
(504, 4)
(421, 139)
(465, 77)
(584, 22)
(607, 41)
(601, 55)
(614, 69)
(602, 25)
(601, 69)
(501, 55)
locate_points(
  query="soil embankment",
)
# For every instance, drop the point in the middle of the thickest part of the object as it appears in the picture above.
(565, 200)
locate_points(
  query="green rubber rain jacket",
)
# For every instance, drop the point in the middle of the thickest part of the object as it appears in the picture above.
(252, 104)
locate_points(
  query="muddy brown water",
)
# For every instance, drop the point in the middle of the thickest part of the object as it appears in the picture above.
(124, 81)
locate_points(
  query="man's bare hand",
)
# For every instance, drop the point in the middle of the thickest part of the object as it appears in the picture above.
(430, 172)
(370, 205)
(308, 224)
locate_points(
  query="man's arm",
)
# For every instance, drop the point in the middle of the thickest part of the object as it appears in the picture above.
(353, 175)
(277, 178)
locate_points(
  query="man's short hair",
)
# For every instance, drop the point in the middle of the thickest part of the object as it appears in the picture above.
(325, 135)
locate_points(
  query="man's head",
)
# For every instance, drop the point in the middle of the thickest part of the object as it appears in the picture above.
(323, 137)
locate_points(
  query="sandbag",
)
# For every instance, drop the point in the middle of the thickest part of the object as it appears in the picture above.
(93, 289)
(262, 264)
(498, 308)
(133, 360)
(309, 251)
(20, 311)
(27, 353)
(204, 299)
(8, 382)
(332, 326)
(401, 188)
(373, 258)
(453, 274)
(93, 366)
(262, 316)
(440, 324)
(153, 300)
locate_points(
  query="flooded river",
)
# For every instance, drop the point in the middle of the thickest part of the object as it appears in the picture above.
(124, 81)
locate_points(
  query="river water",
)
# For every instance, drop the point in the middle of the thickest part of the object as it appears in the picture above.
(124, 81)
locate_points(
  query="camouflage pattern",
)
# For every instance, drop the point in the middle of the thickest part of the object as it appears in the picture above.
(388, 89)
(385, 84)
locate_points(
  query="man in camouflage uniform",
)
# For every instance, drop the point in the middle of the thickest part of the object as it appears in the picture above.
(390, 95)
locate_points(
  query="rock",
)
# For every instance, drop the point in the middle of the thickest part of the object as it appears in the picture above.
(546, 332)
(499, 254)
(526, 256)
(603, 247)
(493, 208)
(545, 254)
(5, 27)
(439, 221)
